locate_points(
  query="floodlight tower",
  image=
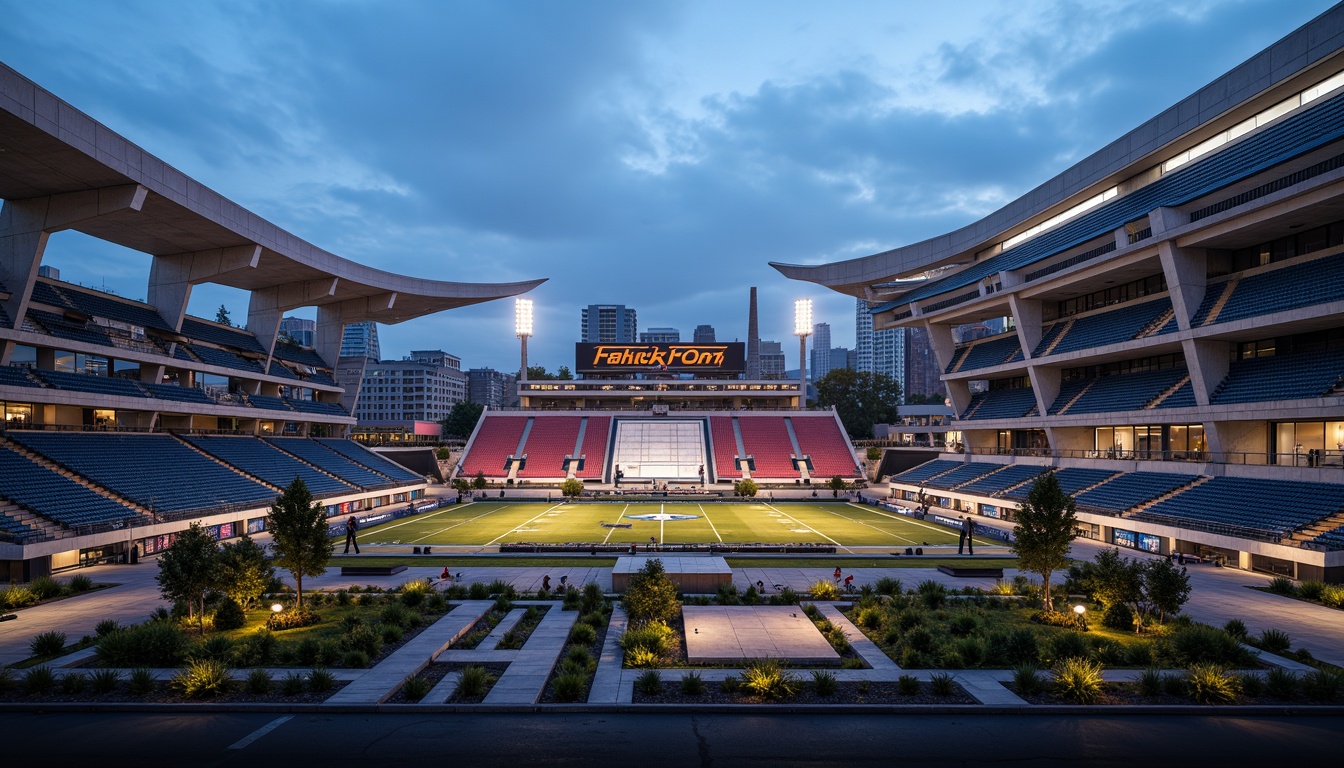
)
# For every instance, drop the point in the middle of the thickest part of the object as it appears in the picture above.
(522, 326)
(802, 328)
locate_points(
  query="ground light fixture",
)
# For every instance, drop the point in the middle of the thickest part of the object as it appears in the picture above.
(1081, 610)
(522, 328)
(276, 607)
(802, 328)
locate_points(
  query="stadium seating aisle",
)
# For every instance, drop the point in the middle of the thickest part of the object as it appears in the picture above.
(552, 439)
(1123, 392)
(1001, 404)
(1299, 285)
(496, 440)
(1006, 478)
(983, 354)
(961, 475)
(1281, 377)
(925, 471)
(766, 439)
(595, 440)
(1104, 328)
(820, 438)
(121, 463)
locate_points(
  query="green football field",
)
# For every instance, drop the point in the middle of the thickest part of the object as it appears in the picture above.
(490, 523)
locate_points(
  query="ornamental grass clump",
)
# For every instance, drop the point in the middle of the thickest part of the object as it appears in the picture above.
(474, 682)
(47, 643)
(823, 682)
(649, 683)
(1028, 680)
(942, 684)
(203, 679)
(1211, 684)
(104, 680)
(692, 684)
(768, 679)
(1078, 680)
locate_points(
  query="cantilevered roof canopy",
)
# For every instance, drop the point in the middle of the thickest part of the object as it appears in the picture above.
(48, 148)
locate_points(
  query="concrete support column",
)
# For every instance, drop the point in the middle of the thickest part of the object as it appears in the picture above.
(1186, 271)
(1027, 315)
(22, 242)
(1209, 362)
(959, 390)
(172, 276)
(1046, 383)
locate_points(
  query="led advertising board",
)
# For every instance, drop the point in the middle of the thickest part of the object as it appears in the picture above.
(713, 358)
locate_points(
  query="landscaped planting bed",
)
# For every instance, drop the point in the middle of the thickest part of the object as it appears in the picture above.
(572, 678)
(772, 683)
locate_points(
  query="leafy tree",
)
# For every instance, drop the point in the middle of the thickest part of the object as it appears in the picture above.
(746, 488)
(1166, 588)
(862, 399)
(1046, 526)
(222, 316)
(572, 488)
(189, 570)
(1112, 579)
(651, 595)
(836, 484)
(461, 484)
(461, 420)
(563, 373)
(245, 572)
(479, 482)
(299, 535)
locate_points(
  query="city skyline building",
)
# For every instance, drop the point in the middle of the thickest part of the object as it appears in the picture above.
(660, 336)
(608, 324)
(704, 334)
(772, 365)
(820, 363)
(300, 330)
(492, 388)
(361, 340)
(423, 387)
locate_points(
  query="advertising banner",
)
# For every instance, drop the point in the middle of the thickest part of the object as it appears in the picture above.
(684, 357)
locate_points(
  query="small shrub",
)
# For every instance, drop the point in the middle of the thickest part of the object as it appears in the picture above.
(920, 639)
(568, 686)
(594, 619)
(293, 618)
(46, 587)
(436, 603)
(292, 684)
(649, 683)
(1323, 684)
(254, 649)
(396, 614)
(1119, 617)
(769, 680)
(18, 597)
(1310, 590)
(1150, 682)
(320, 680)
(342, 597)
(942, 684)
(216, 647)
(229, 615)
(478, 591)
(414, 688)
(823, 682)
(972, 651)
(105, 627)
(155, 643)
(1237, 629)
(355, 660)
(579, 655)
(259, 682)
(892, 636)
(869, 618)
(39, 680)
(1200, 643)
(1333, 595)
(503, 603)
(364, 639)
(47, 643)
(1068, 620)
(1141, 655)
(1027, 679)
(104, 680)
(852, 663)
(474, 682)
(1067, 645)
(931, 593)
(1274, 641)
(963, 625)
(365, 600)
(501, 587)
(583, 634)
(887, 586)
(79, 583)
(1108, 651)
(1173, 685)
(1211, 684)
(141, 681)
(692, 684)
(1252, 684)
(73, 683)
(1078, 680)
(908, 685)
(203, 679)
(912, 658)
(1281, 585)
(1020, 646)
(730, 684)
(824, 589)
(642, 657)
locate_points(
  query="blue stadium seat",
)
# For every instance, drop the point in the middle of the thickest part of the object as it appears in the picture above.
(1281, 377)
(923, 472)
(1013, 474)
(55, 496)
(81, 382)
(361, 455)
(1131, 489)
(983, 354)
(1121, 392)
(1104, 328)
(16, 376)
(1001, 404)
(259, 459)
(1300, 285)
(961, 475)
(330, 461)
(1071, 481)
(1271, 506)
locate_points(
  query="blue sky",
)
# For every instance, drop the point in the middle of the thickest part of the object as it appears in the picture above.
(646, 153)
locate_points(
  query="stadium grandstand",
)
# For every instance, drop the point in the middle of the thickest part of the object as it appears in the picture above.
(1174, 350)
(124, 421)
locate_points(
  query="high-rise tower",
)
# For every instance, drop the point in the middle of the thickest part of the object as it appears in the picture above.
(753, 341)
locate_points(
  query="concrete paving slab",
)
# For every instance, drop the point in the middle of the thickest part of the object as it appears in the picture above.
(724, 634)
(524, 680)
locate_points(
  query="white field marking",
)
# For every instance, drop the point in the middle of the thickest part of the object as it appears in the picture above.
(262, 731)
(810, 528)
(414, 518)
(460, 522)
(920, 523)
(613, 530)
(711, 523)
(868, 525)
(518, 527)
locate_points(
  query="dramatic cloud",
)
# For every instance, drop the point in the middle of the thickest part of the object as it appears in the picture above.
(652, 154)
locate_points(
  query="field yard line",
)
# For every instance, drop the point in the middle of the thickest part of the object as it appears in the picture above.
(516, 527)
(711, 522)
(913, 521)
(618, 519)
(810, 528)
(662, 523)
(868, 525)
(417, 518)
(461, 522)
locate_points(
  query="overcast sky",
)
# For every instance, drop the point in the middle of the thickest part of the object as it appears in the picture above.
(651, 154)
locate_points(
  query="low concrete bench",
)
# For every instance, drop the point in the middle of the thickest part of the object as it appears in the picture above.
(970, 571)
(371, 570)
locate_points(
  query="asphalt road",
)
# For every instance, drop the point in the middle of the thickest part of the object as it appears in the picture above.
(645, 740)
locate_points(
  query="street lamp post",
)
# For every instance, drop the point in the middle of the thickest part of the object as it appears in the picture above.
(802, 328)
(522, 326)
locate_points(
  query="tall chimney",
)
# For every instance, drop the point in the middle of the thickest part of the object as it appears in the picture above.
(753, 341)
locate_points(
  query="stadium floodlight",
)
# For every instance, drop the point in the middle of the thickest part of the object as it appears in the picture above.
(802, 328)
(522, 326)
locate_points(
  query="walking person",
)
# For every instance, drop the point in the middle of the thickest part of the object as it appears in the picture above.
(546, 583)
(961, 538)
(968, 530)
(351, 526)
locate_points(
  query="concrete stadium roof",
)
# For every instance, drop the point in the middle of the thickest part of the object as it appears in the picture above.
(1269, 75)
(49, 148)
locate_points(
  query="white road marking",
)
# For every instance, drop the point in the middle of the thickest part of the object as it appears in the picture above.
(262, 731)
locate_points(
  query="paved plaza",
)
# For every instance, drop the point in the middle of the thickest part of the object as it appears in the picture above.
(720, 634)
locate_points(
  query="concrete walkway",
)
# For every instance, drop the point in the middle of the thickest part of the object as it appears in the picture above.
(525, 679)
(606, 688)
